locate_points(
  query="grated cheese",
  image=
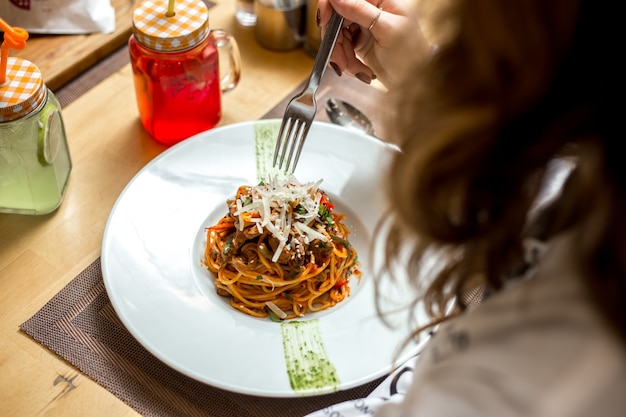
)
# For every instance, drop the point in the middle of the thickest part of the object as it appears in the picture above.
(279, 313)
(311, 233)
(273, 201)
(239, 206)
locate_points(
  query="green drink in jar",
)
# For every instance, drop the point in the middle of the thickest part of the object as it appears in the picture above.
(34, 157)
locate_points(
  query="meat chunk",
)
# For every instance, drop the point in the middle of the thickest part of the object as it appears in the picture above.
(321, 251)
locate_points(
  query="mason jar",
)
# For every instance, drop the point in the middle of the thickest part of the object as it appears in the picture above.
(181, 68)
(35, 162)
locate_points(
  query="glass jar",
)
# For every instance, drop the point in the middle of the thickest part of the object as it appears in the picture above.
(176, 69)
(35, 161)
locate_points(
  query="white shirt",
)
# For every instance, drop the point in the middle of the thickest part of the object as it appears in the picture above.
(537, 348)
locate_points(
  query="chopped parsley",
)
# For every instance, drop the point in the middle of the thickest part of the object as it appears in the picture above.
(229, 244)
(325, 215)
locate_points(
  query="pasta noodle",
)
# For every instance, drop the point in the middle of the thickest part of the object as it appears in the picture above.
(281, 250)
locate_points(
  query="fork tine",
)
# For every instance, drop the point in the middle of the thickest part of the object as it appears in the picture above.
(279, 141)
(282, 143)
(291, 135)
(304, 131)
(289, 145)
(295, 141)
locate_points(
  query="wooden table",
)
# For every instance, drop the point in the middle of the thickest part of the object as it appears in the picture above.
(39, 255)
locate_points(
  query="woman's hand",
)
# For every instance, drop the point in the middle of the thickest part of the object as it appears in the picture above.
(373, 32)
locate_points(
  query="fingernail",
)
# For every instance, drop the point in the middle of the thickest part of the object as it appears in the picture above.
(336, 68)
(363, 77)
(317, 17)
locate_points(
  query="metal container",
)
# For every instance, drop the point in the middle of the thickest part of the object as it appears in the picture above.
(280, 24)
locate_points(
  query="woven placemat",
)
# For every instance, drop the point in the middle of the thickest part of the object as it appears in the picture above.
(80, 324)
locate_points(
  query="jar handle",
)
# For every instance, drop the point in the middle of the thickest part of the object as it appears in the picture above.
(229, 58)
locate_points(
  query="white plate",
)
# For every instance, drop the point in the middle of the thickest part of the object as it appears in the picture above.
(154, 241)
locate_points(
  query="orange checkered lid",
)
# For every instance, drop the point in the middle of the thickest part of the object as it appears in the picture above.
(187, 28)
(23, 90)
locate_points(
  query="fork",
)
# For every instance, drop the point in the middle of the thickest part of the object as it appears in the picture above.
(301, 109)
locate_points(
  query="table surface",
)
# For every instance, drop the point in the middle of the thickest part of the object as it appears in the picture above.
(61, 57)
(39, 255)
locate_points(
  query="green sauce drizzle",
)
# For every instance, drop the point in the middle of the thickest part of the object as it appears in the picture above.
(265, 135)
(308, 366)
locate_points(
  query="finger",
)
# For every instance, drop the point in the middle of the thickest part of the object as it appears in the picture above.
(400, 8)
(338, 59)
(343, 59)
(357, 11)
(324, 11)
(353, 65)
(379, 28)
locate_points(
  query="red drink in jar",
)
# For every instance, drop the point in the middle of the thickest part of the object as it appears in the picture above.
(176, 69)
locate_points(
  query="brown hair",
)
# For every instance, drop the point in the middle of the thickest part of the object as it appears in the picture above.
(513, 86)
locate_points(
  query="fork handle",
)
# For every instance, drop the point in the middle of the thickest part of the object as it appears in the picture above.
(324, 51)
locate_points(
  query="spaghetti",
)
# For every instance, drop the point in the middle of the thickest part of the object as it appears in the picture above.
(281, 250)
